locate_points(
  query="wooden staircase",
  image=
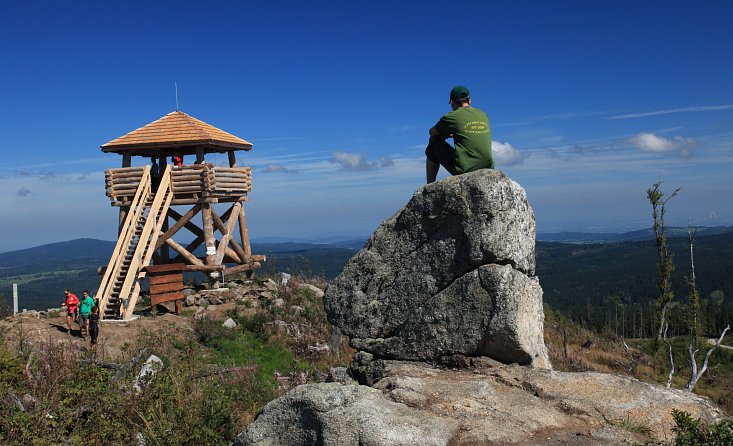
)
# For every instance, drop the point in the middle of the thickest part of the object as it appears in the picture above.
(120, 285)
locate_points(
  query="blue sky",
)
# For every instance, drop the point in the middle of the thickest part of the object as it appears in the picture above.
(590, 103)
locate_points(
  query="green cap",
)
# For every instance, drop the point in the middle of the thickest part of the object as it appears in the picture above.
(458, 93)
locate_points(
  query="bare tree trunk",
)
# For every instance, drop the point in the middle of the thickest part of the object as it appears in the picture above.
(671, 358)
(694, 374)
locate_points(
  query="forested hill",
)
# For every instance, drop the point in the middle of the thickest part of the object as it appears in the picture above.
(43, 272)
(613, 283)
(599, 284)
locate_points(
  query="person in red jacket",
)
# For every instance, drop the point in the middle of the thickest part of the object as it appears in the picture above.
(71, 303)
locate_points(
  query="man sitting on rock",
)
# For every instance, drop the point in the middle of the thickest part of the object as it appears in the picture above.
(469, 128)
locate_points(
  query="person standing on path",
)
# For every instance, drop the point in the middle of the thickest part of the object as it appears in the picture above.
(94, 326)
(85, 309)
(471, 133)
(71, 304)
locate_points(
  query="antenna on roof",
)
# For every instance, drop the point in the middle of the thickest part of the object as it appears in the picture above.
(176, 85)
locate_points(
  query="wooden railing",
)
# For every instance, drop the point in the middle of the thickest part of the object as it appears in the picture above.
(127, 233)
(189, 183)
(146, 245)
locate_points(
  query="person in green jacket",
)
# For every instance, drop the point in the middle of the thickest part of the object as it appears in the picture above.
(471, 133)
(87, 302)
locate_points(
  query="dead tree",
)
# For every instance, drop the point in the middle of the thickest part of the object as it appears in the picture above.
(693, 297)
(671, 358)
(664, 257)
(694, 374)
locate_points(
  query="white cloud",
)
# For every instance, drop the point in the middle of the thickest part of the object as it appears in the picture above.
(701, 108)
(507, 155)
(649, 142)
(358, 161)
(277, 168)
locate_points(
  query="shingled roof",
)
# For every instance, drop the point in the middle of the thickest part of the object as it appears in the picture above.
(178, 132)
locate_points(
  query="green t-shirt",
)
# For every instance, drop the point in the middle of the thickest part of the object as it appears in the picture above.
(471, 138)
(86, 305)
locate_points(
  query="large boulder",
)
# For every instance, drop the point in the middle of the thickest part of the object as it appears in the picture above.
(450, 273)
(417, 404)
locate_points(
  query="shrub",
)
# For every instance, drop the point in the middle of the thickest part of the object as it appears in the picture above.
(694, 432)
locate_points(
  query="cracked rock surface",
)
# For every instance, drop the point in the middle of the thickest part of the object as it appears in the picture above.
(418, 404)
(450, 273)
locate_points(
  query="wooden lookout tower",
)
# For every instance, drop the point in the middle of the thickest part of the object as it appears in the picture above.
(156, 204)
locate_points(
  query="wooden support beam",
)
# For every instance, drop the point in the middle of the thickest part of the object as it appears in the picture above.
(218, 222)
(191, 247)
(244, 233)
(181, 221)
(238, 249)
(204, 268)
(227, 233)
(200, 155)
(209, 240)
(184, 252)
(165, 253)
(242, 268)
(232, 159)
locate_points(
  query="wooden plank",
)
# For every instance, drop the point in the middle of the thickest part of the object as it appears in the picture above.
(166, 288)
(164, 279)
(159, 299)
(165, 268)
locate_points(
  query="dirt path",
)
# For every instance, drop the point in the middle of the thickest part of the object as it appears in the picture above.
(112, 338)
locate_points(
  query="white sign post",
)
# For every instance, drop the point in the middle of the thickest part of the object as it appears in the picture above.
(15, 298)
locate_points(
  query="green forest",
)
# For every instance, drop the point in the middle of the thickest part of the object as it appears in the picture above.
(613, 285)
(602, 286)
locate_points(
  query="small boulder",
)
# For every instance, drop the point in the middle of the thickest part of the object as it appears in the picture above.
(229, 323)
(314, 289)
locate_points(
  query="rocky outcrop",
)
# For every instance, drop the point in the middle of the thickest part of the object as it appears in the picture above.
(419, 404)
(449, 280)
(450, 273)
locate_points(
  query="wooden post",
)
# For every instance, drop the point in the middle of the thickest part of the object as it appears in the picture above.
(209, 240)
(243, 233)
(232, 159)
(200, 155)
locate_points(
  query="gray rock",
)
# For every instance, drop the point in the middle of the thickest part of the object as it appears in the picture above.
(149, 369)
(415, 404)
(270, 285)
(339, 375)
(297, 310)
(200, 313)
(279, 302)
(188, 291)
(229, 323)
(312, 288)
(215, 301)
(190, 301)
(201, 302)
(450, 273)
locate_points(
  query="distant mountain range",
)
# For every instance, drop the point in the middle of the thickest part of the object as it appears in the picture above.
(43, 272)
(641, 234)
